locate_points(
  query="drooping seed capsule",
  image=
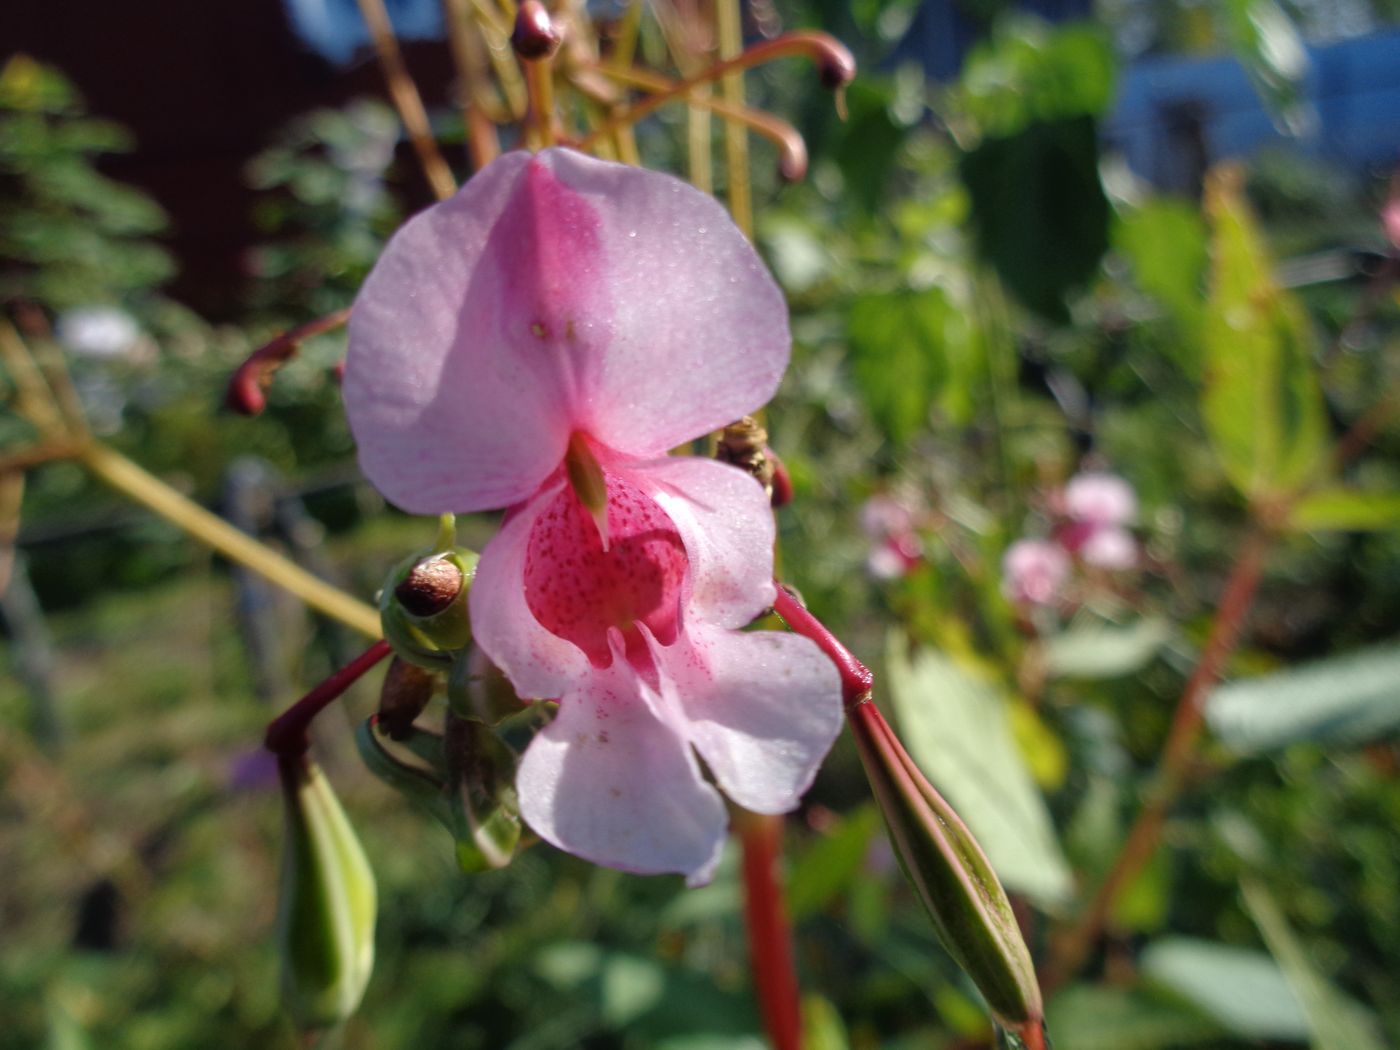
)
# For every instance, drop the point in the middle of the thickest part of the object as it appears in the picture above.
(326, 911)
(970, 911)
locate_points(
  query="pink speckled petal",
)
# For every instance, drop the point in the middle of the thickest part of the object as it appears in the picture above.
(726, 523)
(762, 707)
(609, 782)
(539, 664)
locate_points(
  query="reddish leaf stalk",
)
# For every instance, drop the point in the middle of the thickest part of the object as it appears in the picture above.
(287, 733)
(792, 150)
(835, 67)
(770, 937)
(856, 679)
(254, 375)
(1072, 947)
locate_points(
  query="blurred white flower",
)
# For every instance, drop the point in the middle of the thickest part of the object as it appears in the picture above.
(97, 331)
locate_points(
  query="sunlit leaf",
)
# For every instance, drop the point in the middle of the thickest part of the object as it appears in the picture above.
(1347, 510)
(1335, 1021)
(1087, 1017)
(957, 729)
(1262, 404)
(1105, 650)
(1268, 44)
(1240, 988)
(1345, 699)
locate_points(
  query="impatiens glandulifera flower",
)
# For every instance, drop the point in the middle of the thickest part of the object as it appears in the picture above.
(1033, 572)
(895, 546)
(538, 343)
(1100, 506)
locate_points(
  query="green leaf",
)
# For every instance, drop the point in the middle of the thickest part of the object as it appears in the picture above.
(1027, 71)
(1040, 210)
(1272, 52)
(1336, 1022)
(1242, 989)
(830, 864)
(1345, 699)
(1262, 404)
(1165, 242)
(1348, 510)
(1086, 1017)
(1105, 650)
(908, 348)
(822, 1028)
(957, 729)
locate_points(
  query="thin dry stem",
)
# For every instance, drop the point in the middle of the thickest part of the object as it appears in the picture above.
(792, 151)
(483, 144)
(736, 141)
(834, 63)
(406, 99)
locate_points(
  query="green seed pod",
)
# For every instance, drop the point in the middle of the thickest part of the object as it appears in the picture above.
(423, 606)
(963, 897)
(327, 908)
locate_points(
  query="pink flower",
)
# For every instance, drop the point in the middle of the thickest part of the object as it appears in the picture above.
(1100, 499)
(1110, 548)
(1034, 571)
(895, 547)
(538, 342)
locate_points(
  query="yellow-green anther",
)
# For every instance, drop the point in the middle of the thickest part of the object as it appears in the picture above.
(589, 483)
(327, 908)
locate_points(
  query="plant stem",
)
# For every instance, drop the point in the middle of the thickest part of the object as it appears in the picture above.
(834, 62)
(287, 733)
(770, 936)
(736, 141)
(406, 99)
(114, 469)
(252, 377)
(1071, 947)
(856, 679)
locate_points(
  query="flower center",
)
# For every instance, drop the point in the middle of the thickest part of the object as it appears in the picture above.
(578, 590)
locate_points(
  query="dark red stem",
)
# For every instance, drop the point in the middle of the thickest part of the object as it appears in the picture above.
(856, 679)
(770, 938)
(245, 389)
(287, 733)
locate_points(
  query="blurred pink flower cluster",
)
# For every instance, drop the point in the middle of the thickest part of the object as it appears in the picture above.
(890, 523)
(1095, 511)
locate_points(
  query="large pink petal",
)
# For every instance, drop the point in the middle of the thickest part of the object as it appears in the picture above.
(699, 327)
(554, 293)
(762, 707)
(609, 782)
(538, 663)
(726, 524)
(471, 338)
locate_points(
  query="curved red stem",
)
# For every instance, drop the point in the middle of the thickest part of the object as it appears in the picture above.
(245, 388)
(287, 733)
(856, 679)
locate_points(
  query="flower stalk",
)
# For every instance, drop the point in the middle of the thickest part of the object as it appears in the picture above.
(769, 933)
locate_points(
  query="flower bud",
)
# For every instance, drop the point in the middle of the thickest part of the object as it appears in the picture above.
(423, 607)
(950, 873)
(406, 691)
(535, 35)
(327, 908)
